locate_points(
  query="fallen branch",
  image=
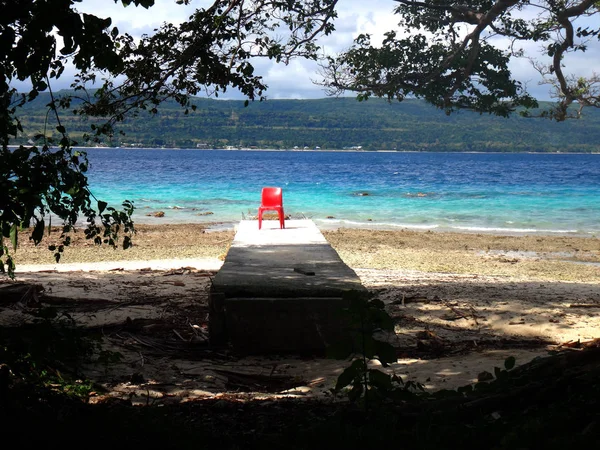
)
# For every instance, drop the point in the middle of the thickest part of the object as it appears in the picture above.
(179, 336)
(461, 315)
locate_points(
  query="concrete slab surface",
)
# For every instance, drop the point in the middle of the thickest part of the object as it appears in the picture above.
(281, 289)
(273, 262)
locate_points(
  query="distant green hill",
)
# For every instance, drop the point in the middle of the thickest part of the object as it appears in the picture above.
(334, 123)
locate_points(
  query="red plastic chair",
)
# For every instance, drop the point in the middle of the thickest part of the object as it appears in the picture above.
(271, 200)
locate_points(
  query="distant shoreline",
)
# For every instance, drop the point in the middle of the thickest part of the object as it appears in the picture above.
(330, 150)
(337, 150)
(542, 257)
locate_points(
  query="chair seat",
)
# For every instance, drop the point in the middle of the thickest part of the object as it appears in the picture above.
(271, 200)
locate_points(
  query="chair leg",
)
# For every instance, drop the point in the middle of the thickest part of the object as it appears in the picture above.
(259, 219)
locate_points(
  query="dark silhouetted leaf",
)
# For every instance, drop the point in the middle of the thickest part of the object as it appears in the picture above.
(14, 236)
(38, 232)
(386, 353)
(509, 362)
(380, 379)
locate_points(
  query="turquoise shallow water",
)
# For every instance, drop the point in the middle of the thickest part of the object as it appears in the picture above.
(533, 193)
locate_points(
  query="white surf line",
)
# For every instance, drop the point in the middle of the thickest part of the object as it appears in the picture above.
(154, 264)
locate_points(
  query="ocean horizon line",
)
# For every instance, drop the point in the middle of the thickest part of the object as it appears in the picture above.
(323, 150)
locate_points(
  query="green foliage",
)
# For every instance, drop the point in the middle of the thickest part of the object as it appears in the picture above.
(368, 323)
(412, 125)
(454, 56)
(208, 52)
(41, 183)
(47, 180)
(47, 353)
(363, 382)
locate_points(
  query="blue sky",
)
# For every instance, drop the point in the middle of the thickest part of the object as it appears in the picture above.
(296, 79)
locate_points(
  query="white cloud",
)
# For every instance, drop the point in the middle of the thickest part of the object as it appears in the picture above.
(139, 20)
(293, 81)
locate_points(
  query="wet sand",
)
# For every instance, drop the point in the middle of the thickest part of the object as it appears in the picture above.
(553, 257)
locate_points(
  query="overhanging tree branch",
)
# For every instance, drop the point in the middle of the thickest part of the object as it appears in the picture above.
(213, 49)
(448, 53)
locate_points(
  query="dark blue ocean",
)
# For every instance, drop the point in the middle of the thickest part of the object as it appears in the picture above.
(529, 193)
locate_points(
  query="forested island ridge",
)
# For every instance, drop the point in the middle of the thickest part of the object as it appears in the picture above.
(328, 124)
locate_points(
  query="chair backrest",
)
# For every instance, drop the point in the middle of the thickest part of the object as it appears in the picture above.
(272, 196)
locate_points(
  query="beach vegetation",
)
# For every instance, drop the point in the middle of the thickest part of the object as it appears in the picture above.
(42, 183)
(368, 325)
(368, 381)
(45, 355)
(458, 56)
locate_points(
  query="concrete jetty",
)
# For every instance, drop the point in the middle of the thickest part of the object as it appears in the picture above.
(281, 290)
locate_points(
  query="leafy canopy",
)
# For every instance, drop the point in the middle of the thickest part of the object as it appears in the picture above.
(456, 54)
